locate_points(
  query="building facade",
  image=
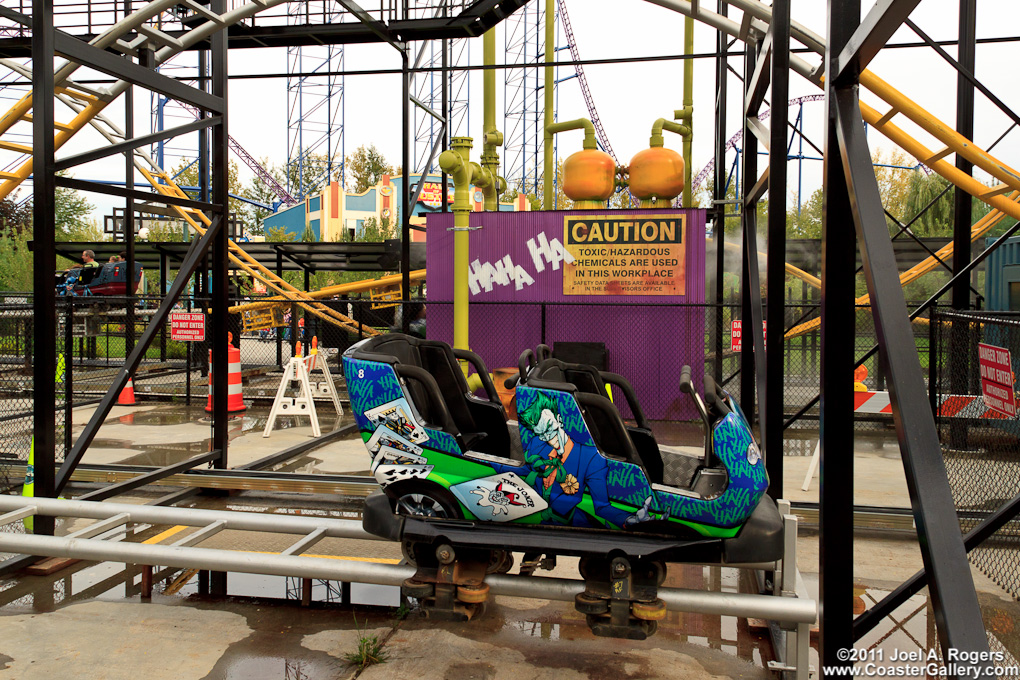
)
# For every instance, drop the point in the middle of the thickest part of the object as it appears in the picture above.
(336, 215)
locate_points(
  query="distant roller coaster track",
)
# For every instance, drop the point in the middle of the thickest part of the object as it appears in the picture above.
(88, 104)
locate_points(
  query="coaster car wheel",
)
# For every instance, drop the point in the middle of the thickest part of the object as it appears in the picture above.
(423, 499)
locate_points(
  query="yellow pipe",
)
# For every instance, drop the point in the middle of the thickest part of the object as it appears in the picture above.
(492, 138)
(456, 162)
(548, 171)
(578, 124)
(686, 114)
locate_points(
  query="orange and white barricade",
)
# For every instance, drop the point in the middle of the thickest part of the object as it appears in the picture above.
(235, 396)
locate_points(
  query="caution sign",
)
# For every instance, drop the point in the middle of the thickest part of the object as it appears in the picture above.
(624, 254)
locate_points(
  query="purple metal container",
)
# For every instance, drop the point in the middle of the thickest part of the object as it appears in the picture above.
(648, 338)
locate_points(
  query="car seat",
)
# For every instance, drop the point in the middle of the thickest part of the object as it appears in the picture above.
(439, 390)
(611, 434)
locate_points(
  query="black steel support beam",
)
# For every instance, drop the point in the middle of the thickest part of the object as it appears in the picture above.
(836, 427)
(871, 36)
(191, 262)
(775, 266)
(131, 144)
(752, 356)
(378, 28)
(148, 478)
(951, 586)
(748, 220)
(719, 195)
(405, 190)
(962, 201)
(129, 212)
(755, 193)
(123, 69)
(757, 84)
(44, 259)
(220, 246)
(122, 192)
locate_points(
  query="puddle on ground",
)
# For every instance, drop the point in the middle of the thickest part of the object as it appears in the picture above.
(112, 582)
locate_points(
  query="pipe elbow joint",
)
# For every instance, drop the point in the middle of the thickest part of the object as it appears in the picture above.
(451, 162)
(494, 138)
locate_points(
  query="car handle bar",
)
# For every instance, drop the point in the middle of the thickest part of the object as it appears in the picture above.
(542, 352)
(436, 400)
(524, 363)
(628, 392)
(687, 387)
(483, 373)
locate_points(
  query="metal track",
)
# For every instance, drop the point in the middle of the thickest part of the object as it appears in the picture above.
(99, 541)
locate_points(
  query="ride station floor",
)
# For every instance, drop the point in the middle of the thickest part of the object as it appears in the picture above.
(89, 620)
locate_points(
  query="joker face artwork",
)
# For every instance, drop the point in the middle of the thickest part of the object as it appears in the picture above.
(563, 470)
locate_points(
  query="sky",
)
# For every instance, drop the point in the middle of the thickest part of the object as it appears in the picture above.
(628, 97)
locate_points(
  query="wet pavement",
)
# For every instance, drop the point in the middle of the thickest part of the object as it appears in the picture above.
(92, 622)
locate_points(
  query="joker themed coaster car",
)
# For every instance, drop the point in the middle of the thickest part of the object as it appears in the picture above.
(462, 487)
(571, 462)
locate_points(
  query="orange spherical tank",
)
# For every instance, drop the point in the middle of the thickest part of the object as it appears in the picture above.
(657, 172)
(589, 175)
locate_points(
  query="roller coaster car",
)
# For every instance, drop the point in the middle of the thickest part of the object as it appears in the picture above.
(463, 488)
(570, 478)
(109, 279)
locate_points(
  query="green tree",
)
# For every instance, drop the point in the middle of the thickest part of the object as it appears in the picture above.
(894, 182)
(14, 217)
(257, 190)
(71, 213)
(309, 176)
(16, 260)
(807, 222)
(186, 175)
(280, 235)
(365, 168)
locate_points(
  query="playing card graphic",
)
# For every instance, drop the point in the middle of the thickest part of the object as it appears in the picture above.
(390, 456)
(384, 436)
(499, 498)
(396, 415)
(387, 474)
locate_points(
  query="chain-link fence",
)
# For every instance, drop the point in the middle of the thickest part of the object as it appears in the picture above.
(95, 334)
(648, 343)
(980, 445)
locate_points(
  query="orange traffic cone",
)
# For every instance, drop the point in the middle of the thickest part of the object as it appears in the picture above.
(127, 395)
(235, 398)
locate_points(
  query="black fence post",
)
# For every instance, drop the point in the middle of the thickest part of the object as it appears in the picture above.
(67, 377)
(543, 324)
(933, 357)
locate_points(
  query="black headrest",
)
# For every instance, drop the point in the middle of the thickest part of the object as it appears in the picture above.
(580, 377)
(389, 348)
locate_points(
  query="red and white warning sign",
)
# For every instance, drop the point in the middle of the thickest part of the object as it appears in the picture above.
(187, 326)
(997, 379)
(736, 333)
